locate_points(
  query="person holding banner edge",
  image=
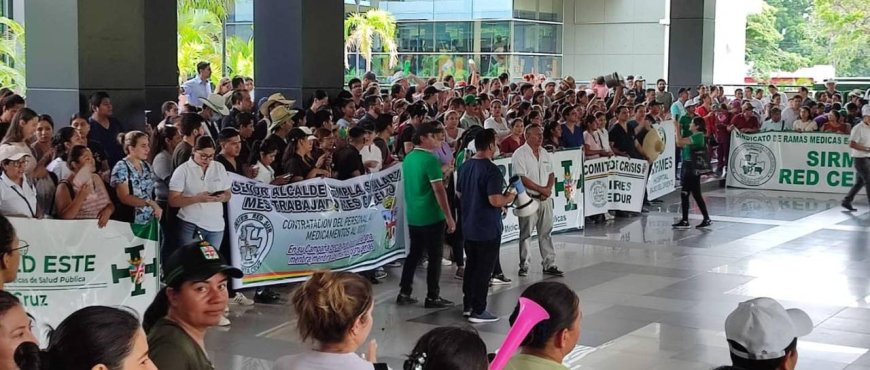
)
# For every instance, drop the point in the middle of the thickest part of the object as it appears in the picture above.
(859, 142)
(691, 180)
(479, 189)
(428, 211)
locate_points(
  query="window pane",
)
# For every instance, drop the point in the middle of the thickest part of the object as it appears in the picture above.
(453, 37)
(546, 65)
(550, 38)
(455, 65)
(526, 9)
(492, 65)
(415, 36)
(495, 37)
(550, 10)
(537, 38)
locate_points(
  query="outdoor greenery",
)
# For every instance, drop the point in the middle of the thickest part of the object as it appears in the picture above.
(200, 32)
(364, 31)
(790, 34)
(12, 59)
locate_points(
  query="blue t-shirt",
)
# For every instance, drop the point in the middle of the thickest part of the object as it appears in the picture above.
(478, 179)
(572, 140)
(108, 139)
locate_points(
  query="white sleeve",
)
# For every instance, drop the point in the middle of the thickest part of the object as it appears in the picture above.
(518, 165)
(176, 183)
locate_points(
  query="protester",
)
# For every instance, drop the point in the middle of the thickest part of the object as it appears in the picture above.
(448, 348)
(497, 121)
(549, 341)
(552, 136)
(190, 129)
(11, 250)
(747, 122)
(535, 168)
(21, 131)
(805, 122)
(83, 195)
(105, 128)
(690, 180)
(348, 161)
(17, 195)
(513, 141)
(43, 152)
(835, 124)
(404, 139)
(11, 105)
(192, 301)
(231, 145)
(572, 132)
(383, 135)
(650, 141)
(859, 143)
(763, 335)
(622, 137)
(334, 311)
(169, 110)
(472, 115)
(426, 200)
(479, 188)
(279, 130)
(299, 165)
(162, 147)
(372, 158)
(198, 187)
(15, 324)
(199, 86)
(265, 152)
(94, 337)
(775, 122)
(80, 123)
(134, 180)
(64, 139)
(678, 108)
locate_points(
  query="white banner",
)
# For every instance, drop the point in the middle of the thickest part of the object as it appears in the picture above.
(567, 193)
(72, 264)
(614, 184)
(663, 174)
(806, 162)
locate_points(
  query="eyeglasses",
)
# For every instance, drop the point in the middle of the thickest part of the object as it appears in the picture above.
(17, 163)
(205, 157)
(22, 248)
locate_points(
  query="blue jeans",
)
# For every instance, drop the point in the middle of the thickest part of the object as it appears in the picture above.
(189, 233)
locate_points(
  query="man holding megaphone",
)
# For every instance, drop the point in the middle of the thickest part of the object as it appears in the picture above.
(479, 189)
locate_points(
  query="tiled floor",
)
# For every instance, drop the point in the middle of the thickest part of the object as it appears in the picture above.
(652, 298)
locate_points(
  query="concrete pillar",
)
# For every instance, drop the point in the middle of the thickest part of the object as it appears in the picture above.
(691, 43)
(298, 47)
(126, 48)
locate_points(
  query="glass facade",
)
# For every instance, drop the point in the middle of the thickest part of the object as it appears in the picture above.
(441, 37)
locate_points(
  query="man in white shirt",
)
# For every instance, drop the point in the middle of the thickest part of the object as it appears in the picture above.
(792, 113)
(774, 91)
(677, 108)
(775, 123)
(199, 86)
(859, 142)
(757, 103)
(534, 166)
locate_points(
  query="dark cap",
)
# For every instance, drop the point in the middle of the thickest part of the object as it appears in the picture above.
(196, 262)
(357, 131)
(684, 90)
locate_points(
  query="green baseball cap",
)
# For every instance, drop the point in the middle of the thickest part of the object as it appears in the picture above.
(471, 99)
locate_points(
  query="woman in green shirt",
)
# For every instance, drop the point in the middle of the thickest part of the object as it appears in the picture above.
(550, 340)
(690, 180)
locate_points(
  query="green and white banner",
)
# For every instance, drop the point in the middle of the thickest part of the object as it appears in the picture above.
(614, 184)
(567, 194)
(806, 162)
(281, 234)
(663, 174)
(72, 264)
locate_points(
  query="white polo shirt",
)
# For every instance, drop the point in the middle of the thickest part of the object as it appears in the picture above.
(861, 135)
(17, 201)
(537, 169)
(189, 180)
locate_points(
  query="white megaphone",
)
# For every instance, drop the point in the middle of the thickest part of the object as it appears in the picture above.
(524, 205)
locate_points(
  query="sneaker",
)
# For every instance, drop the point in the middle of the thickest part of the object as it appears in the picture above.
(553, 270)
(460, 273)
(466, 313)
(381, 274)
(446, 262)
(437, 303)
(524, 271)
(500, 279)
(224, 321)
(266, 296)
(682, 225)
(394, 264)
(482, 317)
(848, 206)
(241, 300)
(404, 300)
(705, 223)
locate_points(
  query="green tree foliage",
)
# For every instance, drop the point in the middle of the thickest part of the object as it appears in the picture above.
(843, 31)
(763, 48)
(362, 31)
(12, 61)
(200, 31)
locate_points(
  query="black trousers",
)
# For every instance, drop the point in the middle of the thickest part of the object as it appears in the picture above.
(862, 179)
(455, 240)
(424, 239)
(692, 186)
(481, 258)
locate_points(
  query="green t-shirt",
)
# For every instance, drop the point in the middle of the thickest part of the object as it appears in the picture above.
(698, 142)
(529, 362)
(420, 169)
(170, 348)
(685, 121)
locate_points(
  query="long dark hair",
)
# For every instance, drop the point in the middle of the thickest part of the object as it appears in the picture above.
(449, 348)
(16, 133)
(61, 137)
(559, 301)
(159, 138)
(7, 235)
(90, 336)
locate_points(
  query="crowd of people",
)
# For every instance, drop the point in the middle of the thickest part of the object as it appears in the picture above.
(444, 134)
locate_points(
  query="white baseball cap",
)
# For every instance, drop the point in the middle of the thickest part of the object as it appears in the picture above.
(11, 152)
(865, 111)
(764, 328)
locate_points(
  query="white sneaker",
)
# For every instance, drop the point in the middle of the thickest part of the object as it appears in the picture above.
(446, 262)
(224, 321)
(241, 300)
